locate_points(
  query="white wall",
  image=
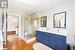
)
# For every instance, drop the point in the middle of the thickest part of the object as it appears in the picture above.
(73, 20)
(65, 5)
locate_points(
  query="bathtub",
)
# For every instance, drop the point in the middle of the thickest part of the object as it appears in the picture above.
(40, 46)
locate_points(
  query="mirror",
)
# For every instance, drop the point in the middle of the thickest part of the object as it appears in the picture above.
(44, 21)
(59, 20)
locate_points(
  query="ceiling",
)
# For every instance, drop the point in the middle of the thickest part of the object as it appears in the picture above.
(29, 6)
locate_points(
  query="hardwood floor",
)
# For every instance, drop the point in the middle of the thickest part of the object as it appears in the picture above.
(19, 44)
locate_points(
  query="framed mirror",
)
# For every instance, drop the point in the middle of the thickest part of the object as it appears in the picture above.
(59, 20)
(44, 21)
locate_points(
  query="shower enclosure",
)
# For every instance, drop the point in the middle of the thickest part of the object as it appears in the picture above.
(29, 26)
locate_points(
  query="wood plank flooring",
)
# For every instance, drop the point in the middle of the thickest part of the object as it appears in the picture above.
(19, 44)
